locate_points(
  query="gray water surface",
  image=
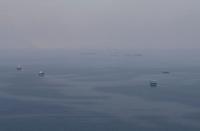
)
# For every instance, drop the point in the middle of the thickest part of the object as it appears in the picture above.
(101, 94)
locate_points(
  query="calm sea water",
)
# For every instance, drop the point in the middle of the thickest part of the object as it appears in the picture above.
(110, 92)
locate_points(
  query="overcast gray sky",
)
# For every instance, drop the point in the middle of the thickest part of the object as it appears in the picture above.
(163, 24)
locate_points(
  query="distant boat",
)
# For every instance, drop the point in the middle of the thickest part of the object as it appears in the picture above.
(138, 54)
(166, 72)
(19, 68)
(88, 53)
(41, 74)
(128, 54)
(153, 83)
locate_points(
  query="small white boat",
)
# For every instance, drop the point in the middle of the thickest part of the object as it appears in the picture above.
(153, 83)
(19, 68)
(41, 74)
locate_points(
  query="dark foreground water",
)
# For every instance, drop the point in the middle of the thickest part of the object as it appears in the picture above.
(94, 93)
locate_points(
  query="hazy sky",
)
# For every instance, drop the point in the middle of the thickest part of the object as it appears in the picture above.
(100, 24)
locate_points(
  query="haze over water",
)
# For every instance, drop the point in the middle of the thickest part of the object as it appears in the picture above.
(99, 57)
(101, 90)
